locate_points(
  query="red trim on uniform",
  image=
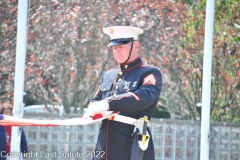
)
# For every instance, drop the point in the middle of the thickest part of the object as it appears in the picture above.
(150, 79)
(135, 96)
(8, 138)
(126, 95)
(107, 141)
(132, 67)
(116, 112)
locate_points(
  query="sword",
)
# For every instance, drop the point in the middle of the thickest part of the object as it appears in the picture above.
(144, 132)
(140, 139)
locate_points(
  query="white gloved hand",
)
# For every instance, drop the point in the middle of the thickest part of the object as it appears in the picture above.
(96, 107)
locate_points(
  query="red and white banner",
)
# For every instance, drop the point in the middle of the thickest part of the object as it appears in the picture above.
(113, 116)
(14, 121)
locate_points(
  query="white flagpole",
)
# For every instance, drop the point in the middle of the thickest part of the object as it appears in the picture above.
(19, 75)
(207, 76)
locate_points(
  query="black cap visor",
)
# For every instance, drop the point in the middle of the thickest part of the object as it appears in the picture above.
(121, 41)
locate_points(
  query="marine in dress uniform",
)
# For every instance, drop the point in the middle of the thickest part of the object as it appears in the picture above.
(131, 88)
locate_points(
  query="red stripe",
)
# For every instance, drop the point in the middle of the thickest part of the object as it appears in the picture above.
(132, 67)
(107, 141)
(135, 96)
(150, 79)
(126, 95)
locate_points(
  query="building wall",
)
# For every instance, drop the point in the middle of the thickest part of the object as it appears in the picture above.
(173, 140)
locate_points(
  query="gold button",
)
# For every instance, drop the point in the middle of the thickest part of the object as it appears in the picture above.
(119, 80)
(126, 66)
(120, 73)
(116, 87)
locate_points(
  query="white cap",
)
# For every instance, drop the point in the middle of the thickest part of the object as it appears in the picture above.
(122, 34)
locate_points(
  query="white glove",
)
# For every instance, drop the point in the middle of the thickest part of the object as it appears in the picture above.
(96, 107)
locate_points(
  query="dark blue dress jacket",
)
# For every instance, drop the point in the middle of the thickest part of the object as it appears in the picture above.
(134, 90)
(24, 147)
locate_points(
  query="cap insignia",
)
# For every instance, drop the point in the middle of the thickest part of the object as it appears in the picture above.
(111, 31)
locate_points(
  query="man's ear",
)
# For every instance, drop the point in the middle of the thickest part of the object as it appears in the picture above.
(136, 45)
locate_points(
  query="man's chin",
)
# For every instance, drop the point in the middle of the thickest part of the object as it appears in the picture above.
(120, 61)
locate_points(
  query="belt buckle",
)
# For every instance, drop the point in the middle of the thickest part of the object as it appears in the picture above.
(111, 118)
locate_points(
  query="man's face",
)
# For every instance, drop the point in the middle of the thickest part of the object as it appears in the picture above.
(121, 52)
(7, 111)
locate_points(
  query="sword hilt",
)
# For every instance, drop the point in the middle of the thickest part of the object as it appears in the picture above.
(145, 122)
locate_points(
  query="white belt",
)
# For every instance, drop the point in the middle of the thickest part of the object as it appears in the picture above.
(143, 144)
(123, 119)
